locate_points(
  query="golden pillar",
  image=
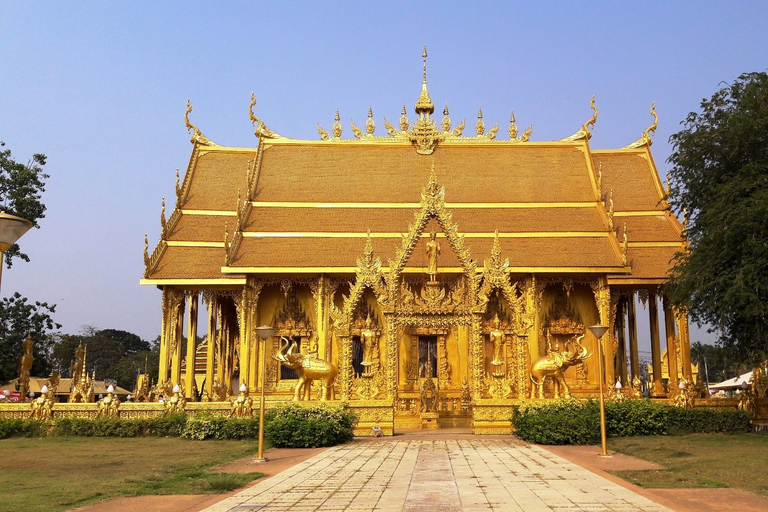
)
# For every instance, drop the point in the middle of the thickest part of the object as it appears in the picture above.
(669, 329)
(177, 328)
(604, 307)
(244, 309)
(653, 313)
(211, 344)
(477, 361)
(684, 340)
(189, 384)
(165, 339)
(634, 359)
(621, 352)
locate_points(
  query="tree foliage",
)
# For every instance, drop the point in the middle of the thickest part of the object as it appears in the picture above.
(18, 318)
(21, 188)
(719, 180)
(110, 353)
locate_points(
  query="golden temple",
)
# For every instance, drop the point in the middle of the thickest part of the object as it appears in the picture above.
(427, 277)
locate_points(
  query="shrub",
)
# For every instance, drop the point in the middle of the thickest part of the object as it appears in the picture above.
(212, 427)
(705, 419)
(566, 421)
(21, 428)
(575, 422)
(294, 425)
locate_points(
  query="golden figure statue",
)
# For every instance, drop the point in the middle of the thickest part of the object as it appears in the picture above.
(42, 408)
(176, 403)
(368, 338)
(22, 386)
(82, 383)
(109, 406)
(242, 405)
(497, 338)
(433, 251)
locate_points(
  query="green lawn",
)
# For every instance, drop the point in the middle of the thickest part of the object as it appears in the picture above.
(699, 460)
(59, 473)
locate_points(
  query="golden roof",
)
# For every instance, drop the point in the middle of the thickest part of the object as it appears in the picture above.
(297, 206)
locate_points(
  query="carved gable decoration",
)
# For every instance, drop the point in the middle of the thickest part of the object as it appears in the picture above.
(562, 319)
(292, 320)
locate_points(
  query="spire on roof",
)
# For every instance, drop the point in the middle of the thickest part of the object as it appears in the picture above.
(261, 130)
(424, 105)
(197, 136)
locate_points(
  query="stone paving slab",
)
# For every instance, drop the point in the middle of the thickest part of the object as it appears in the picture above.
(444, 475)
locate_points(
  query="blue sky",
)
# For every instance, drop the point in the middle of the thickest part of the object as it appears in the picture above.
(101, 87)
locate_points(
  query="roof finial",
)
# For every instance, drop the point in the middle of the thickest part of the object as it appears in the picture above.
(480, 125)
(652, 128)
(424, 105)
(403, 120)
(512, 126)
(337, 125)
(446, 120)
(162, 214)
(146, 253)
(370, 126)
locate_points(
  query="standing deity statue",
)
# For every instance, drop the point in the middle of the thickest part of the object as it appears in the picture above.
(25, 367)
(433, 251)
(497, 338)
(368, 339)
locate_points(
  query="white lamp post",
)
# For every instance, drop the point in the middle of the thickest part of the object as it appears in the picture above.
(11, 229)
(598, 331)
(265, 332)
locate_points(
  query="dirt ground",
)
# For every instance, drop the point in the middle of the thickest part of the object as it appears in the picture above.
(681, 500)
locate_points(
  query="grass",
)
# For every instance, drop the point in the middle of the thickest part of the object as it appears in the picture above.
(699, 461)
(60, 473)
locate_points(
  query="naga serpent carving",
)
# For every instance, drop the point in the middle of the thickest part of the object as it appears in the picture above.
(553, 365)
(309, 368)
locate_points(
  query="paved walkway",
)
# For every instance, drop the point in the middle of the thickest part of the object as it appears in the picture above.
(441, 475)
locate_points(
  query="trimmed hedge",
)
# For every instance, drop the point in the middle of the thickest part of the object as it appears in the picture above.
(578, 422)
(287, 425)
(296, 425)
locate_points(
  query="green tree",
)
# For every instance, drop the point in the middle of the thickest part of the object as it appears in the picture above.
(719, 180)
(21, 188)
(18, 318)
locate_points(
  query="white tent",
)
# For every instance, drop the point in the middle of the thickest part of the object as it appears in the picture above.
(731, 384)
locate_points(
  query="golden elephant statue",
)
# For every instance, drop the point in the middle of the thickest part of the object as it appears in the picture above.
(554, 364)
(309, 368)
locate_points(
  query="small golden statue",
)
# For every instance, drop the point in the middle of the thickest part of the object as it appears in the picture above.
(176, 403)
(109, 406)
(497, 338)
(368, 338)
(433, 251)
(242, 405)
(219, 390)
(42, 407)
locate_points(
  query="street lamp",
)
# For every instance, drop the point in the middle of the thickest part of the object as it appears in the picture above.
(265, 332)
(598, 331)
(11, 229)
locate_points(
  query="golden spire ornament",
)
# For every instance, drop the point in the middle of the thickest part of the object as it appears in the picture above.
(337, 125)
(446, 120)
(403, 120)
(370, 125)
(424, 105)
(512, 126)
(480, 125)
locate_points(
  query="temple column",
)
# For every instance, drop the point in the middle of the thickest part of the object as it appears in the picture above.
(604, 307)
(345, 340)
(653, 313)
(393, 356)
(669, 329)
(211, 342)
(684, 340)
(634, 359)
(621, 353)
(245, 308)
(177, 327)
(165, 340)
(189, 384)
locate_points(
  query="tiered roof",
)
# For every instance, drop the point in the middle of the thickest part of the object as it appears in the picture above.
(305, 207)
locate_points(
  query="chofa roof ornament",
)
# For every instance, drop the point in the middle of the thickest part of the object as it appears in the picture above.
(645, 139)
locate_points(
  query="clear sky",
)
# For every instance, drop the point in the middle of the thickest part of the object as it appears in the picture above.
(101, 88)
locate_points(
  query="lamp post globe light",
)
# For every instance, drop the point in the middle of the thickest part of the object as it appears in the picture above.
(265, 332)
(11, 229)
(599, 331)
